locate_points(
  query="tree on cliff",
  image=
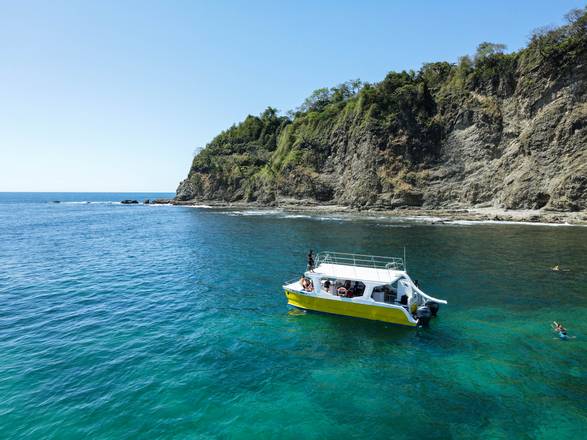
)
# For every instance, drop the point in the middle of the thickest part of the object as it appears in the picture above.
(320, 98)
(487, 49)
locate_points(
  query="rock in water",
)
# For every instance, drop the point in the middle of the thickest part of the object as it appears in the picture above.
(129, 202)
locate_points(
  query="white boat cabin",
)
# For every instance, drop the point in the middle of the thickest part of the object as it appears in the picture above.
(381, 285)
(363, 279)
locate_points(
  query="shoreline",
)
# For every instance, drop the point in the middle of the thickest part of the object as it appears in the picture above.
(440, 215)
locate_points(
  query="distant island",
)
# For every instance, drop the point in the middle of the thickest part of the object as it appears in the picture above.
(496, 130)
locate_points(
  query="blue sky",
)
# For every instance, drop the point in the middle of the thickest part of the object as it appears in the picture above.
(117, 95)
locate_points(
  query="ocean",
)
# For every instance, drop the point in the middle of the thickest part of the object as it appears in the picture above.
(143, 322)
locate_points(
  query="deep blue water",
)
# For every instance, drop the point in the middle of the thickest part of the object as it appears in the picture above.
(169, 322)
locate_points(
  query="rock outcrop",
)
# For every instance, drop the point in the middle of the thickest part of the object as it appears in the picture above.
(499, 130)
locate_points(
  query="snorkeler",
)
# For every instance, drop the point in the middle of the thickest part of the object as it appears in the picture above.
(560, 329)
(557, 268)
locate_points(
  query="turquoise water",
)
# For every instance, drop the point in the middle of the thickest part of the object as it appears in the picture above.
(169, 322)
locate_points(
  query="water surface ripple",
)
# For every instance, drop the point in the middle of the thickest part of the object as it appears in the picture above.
(168, 322)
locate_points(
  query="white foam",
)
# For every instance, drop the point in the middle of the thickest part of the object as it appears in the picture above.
(110, 202)
(388, 221)
(71, 203)
(420, 218)
(336, 219)
(503, 222)
(298, 216)
(255, 212)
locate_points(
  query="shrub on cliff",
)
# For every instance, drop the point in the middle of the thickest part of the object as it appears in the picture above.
(252, 139)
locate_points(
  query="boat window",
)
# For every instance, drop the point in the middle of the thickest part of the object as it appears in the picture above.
(358, 288)
(386, 293)
(328, 285)
(345, 288)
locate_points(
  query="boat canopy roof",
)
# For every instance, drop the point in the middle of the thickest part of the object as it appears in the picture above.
(358, 273)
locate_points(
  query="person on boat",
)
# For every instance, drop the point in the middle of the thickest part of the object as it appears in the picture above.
(306, 284)
(311, 261)
(345, 290)
(326, 286)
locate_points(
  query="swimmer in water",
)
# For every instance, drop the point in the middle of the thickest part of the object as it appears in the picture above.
(557, 268)
(560, 329)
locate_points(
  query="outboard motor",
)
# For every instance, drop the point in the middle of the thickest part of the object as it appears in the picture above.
(424, 314)
(433, 306)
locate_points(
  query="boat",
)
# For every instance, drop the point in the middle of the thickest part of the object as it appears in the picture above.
(362, 286)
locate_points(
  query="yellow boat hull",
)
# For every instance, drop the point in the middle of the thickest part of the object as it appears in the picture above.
(348, 308)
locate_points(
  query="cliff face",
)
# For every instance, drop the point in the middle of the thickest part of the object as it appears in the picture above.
(504, 130)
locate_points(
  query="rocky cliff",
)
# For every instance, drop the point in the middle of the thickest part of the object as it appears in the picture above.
(496, 129)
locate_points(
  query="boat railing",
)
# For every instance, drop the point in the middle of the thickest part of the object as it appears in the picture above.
(360, 260)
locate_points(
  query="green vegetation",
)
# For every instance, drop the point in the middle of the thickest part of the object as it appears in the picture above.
(405, 114)
(557, 46)
(249, 142)
(320, 99)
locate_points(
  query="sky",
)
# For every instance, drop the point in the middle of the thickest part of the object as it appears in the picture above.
(119, 95)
